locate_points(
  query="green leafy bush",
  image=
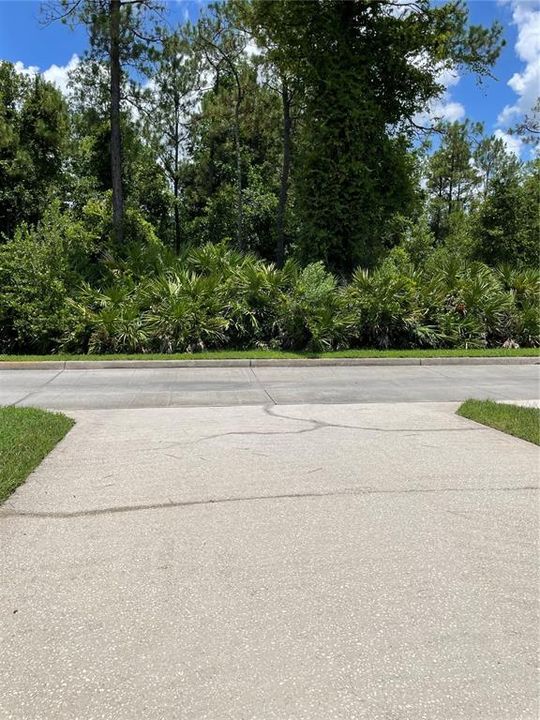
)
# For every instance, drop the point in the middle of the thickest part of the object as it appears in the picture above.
(388, 306)
(186, 312)
(311, 312)
(39, 269)
(107, 320)
(61, 291)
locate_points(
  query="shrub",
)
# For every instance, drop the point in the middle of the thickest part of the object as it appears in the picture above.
(311, 313)
(39, 268)
(469, 304)
(524, 287)
(255, 294)
(61, 290)
(388, 307)
(107, 320)
(186, 312)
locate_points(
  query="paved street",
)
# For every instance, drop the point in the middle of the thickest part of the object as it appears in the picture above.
(292, 562)
(170, 387)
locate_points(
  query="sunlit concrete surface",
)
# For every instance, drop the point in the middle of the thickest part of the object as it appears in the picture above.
(306, 562)
(176, 387)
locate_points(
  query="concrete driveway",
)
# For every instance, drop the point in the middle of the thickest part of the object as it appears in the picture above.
(300, 562)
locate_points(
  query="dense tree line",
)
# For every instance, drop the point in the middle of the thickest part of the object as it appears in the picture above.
(284, 130)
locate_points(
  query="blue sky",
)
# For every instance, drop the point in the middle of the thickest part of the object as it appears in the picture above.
(498, 103)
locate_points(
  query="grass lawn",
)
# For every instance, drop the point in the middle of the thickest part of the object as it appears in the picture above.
(26, 436)
(523, 422)
(273, 354)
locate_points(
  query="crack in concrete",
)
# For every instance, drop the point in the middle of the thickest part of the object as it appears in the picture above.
(315, 425)
(350, 492)
(320, 424)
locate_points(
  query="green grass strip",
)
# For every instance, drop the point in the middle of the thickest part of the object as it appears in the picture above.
(277, 354)
(26, 436)
(522, 422)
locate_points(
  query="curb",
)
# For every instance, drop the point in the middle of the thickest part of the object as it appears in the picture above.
(300, 362)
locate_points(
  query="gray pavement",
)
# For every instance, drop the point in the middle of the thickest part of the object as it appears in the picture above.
(302, 562)
(176, 387)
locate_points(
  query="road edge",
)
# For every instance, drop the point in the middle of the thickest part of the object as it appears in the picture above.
(247, 363)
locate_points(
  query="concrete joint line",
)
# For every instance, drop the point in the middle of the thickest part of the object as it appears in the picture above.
(261, 386)
(34, 392)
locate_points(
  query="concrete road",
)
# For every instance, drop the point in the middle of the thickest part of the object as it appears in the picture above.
(168, 387)
(302, 562)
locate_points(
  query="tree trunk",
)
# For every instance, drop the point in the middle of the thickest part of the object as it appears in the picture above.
(212, 150)
(176, 218)
(176, 171)
(285, 171)
(240, 206)
(440, 195)
(116, 138)
(451, 184)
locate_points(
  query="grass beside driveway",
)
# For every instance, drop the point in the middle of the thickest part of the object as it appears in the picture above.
(285, 355)
(26, 436)
(522, 422)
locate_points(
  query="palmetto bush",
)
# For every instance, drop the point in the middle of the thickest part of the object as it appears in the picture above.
(255, 291)
(468, 304)
(185, 312)
(311, 312)
(107, 320)
(216, 297)
(389, 308)
(474, 306)
(524, 286)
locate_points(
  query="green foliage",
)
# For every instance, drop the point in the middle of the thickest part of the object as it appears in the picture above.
(141, 247)
(451, 176)
(524, 287)
(89, 176)
(210, 179)
(186, 312)
(508, 224)
(33, 135)
(360, 88)
(301, 153)
(417, 239)
(311, 314)
(475, 309)
(106, 320)
(39, 268)
(388, 308)
(214, 297)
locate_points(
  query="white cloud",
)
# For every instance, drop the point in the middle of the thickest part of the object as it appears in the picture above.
(448, 76)
(526, 84)
(252, 48)
(513, 143)
(27, 70)
(447, 109)
(444, 107)
(400, 8)
(58, 75)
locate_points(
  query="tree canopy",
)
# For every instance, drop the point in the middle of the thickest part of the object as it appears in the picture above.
(293, 132)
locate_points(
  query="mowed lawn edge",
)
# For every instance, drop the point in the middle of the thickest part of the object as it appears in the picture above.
(256, 354)
(27, 435)
(521, 422)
